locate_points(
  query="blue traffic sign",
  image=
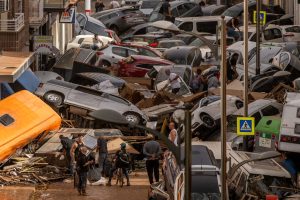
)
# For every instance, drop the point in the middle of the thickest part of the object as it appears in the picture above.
(245, 126)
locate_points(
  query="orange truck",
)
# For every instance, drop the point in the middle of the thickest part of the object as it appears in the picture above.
(23, 118)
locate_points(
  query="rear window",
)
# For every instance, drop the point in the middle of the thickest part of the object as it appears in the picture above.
(186, 26)
(293, 29)
(207, 27)
(297, 128)
(149, 4)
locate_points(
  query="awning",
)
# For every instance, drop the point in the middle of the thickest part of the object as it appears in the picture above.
(14, 64)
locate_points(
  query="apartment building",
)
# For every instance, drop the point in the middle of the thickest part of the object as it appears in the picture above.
(14, 24)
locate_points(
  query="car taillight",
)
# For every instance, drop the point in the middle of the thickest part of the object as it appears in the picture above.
(99, 53)
(273, 136)
(153, 45)
(290, 139)
(288, 35)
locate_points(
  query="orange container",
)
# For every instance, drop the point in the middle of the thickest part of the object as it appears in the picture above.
(271, 197)
(31, 117)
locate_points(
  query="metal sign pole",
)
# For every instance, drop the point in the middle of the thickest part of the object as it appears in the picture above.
(246, 13)
(188, 156)
(223, 109)
(88, 9)
(258, 33)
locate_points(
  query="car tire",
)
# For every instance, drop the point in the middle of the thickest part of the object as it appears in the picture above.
(54, 98)
(208, 121)
(132, 117)
(239, 104)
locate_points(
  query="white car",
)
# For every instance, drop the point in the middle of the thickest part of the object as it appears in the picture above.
(208, 111)
(86, 41)
(275, 33)
(112, 54)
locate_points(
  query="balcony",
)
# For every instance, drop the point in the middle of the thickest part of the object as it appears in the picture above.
(3, 5)
(12, 25)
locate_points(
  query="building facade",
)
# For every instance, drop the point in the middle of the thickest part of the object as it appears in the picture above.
(14, 24)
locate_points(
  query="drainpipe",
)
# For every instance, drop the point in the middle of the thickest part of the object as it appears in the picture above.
(88, 9)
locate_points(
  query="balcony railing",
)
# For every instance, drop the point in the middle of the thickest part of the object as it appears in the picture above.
(12, 25)
(3, 6)
(58, 4)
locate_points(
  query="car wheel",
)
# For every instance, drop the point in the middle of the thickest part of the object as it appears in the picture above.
(132, 118)
(54, 98)
(208, 120)
(239, 104)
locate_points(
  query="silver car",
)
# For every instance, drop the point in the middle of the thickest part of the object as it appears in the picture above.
(59, 93)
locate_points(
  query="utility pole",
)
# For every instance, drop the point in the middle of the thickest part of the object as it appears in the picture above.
(188, 156)
(246, 13)
(223, 109)
(88, 9)
(258, 34)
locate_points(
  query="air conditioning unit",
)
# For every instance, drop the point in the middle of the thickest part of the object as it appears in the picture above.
(4, 5)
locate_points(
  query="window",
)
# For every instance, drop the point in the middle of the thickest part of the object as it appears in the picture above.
(207, 27)
(186, 26)
(297, 128)
(298, 113)
(80, 40)
(272, 34)
(174, 12)
(119, 51)
(6, 120)
(257, 117)
(131, 52)
(270, 111)
(81, 20)
(181, 9)
(146, 52)
(293, 29)
(189, 5)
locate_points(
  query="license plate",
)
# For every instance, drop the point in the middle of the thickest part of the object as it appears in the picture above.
(265, 142)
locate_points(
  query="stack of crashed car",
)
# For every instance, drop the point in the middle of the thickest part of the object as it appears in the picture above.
(126, 63)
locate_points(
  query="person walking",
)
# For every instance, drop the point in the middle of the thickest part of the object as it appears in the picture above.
(152, 151)
(99, 6)
(82, 167)
(67, 145)
(102, 150)
(173, 136)
(121, 160)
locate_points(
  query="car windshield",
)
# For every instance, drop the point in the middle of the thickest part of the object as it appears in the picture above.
(95, 29)
(233, 11)
(197, 43)
(176, 58)
(149, 4)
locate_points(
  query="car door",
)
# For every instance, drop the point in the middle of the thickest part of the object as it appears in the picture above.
(84, 98)
(118, 53)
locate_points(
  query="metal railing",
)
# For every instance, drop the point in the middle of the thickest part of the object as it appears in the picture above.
(12, 25)
(3, 6)
(55, 4)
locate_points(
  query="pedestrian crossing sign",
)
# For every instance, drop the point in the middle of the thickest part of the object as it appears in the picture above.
(245, 126)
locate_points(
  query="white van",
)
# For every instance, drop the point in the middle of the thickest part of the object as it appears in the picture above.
(290, 127)
(203, 24)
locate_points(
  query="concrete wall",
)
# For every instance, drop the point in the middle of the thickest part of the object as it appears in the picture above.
(297, 12)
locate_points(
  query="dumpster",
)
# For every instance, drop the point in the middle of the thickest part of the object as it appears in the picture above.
(267, 134)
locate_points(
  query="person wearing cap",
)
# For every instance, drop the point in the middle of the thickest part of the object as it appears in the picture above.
(173, 80)
(121, 160)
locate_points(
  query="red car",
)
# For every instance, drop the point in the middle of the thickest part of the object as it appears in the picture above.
(138, 66)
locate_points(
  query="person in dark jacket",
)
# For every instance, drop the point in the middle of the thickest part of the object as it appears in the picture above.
(67, 144)
(152, 151)
(83, 165)
(122, 161)
(102, 149)
(99, 6)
